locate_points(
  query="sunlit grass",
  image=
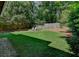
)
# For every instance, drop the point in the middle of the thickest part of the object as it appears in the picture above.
(39, 43)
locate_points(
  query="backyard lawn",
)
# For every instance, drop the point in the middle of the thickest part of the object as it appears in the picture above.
(41, 43)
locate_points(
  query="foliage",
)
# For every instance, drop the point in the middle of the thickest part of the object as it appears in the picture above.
(2, 23)
(34, 13)
(16, 12)
(64, 17)
(48, 11)
(20, 22)
(74, 26)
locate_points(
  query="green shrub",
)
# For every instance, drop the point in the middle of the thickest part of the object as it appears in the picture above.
(20, 22)
(2, 23)
(74, 26)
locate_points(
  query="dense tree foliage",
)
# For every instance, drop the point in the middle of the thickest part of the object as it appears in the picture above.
(74, 27)
(18, 12)
(34, 13)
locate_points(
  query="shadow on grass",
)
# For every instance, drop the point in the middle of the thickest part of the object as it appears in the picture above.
(68, 40)
(33, 47)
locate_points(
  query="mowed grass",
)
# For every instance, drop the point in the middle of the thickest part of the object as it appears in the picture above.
(41, 43)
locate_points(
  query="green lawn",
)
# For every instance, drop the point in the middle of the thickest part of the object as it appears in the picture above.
(43, 43)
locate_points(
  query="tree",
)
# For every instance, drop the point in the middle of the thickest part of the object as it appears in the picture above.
(74, 26)
(18, 9)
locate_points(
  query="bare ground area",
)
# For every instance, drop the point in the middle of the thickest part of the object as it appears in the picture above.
(63, 30)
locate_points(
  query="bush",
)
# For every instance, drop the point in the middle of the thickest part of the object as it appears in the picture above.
(2, 23)
(74, 26)
(20, 22)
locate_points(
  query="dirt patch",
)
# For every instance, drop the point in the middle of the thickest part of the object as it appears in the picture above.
(63, 30)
